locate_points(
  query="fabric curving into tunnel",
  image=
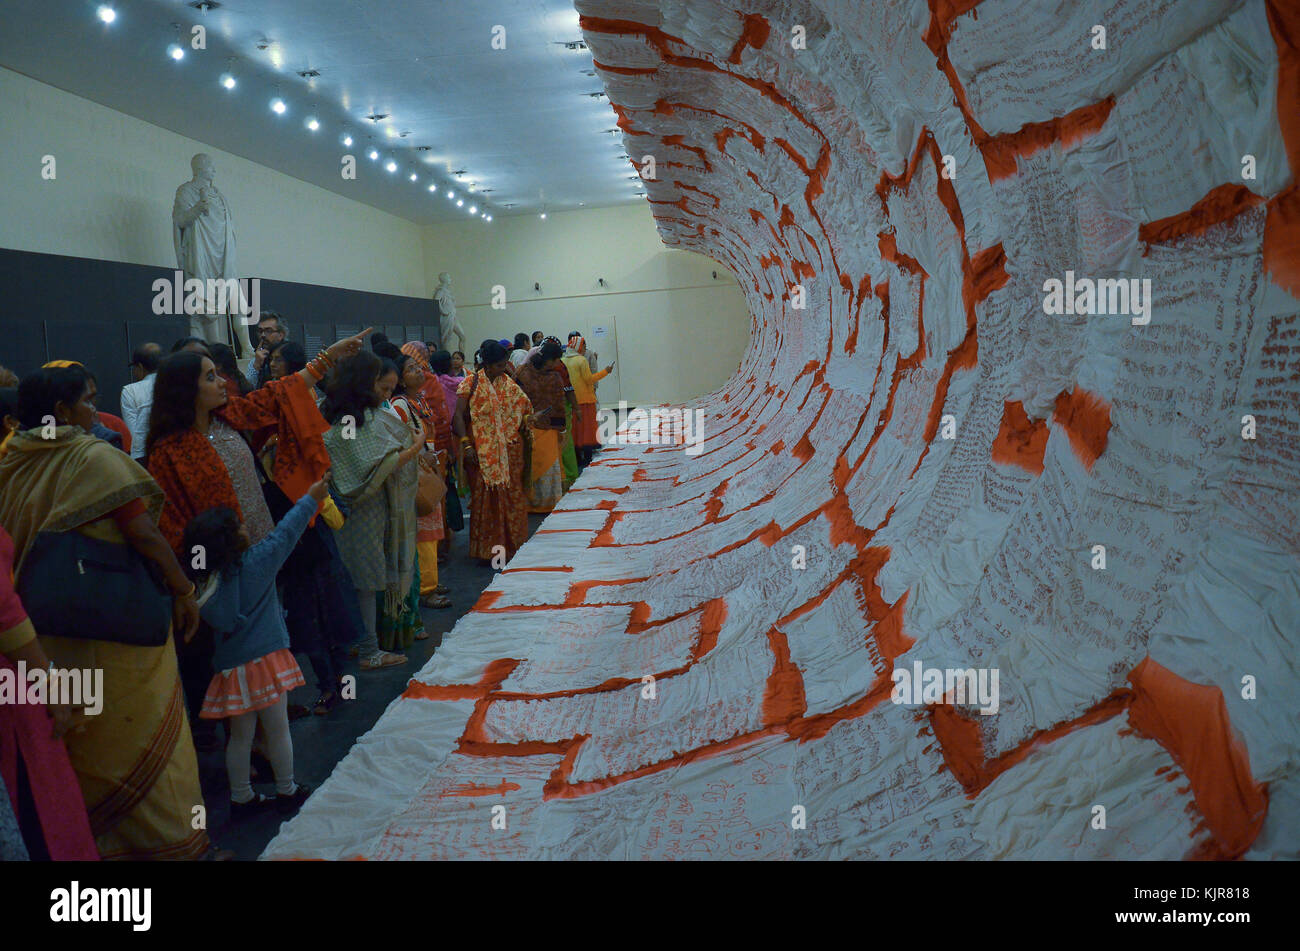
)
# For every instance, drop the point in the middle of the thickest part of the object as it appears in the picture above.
(922, 465)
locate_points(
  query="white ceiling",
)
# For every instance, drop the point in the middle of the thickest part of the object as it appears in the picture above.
(518, 121)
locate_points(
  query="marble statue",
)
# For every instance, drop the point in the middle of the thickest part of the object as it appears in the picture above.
(448, 324)
(203, 233)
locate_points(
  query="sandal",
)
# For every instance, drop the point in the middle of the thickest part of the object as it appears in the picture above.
(441, 589)
(436, 601)
(381, 660)
(325, 703)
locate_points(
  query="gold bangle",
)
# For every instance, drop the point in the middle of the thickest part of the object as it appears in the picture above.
(187, 594)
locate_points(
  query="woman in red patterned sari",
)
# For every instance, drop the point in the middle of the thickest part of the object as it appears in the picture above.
(491, 411)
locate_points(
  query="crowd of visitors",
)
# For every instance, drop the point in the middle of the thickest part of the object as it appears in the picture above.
(228, 522)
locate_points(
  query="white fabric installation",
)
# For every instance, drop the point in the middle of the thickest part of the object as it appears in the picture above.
(1018, 420)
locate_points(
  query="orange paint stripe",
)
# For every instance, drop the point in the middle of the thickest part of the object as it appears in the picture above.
(1191, 722)
(1085, 417)
(1282, 226)
(1218, 206)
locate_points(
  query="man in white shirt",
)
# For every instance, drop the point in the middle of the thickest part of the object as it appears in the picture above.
(519, 353)
(137, 397)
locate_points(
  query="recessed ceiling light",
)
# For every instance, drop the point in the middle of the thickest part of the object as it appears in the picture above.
(228, 80)
(391, 166)
(542, 216)
(434, 188)
(473, 209)
(372, 154)
(460, 202)
(450, 194)
(278, 106)
(313, 123)
(347, 141)
(414, 177)
(106, 13)
(489, 217)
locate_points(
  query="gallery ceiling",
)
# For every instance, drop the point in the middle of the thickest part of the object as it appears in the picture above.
(492, 99)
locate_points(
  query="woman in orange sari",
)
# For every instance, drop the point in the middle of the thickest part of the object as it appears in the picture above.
(537, 378)
(491, 411)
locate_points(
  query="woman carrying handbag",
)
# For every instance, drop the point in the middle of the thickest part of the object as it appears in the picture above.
(416, 411)
(66, 495)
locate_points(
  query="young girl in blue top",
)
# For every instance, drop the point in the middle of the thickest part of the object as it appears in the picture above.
(255, 670)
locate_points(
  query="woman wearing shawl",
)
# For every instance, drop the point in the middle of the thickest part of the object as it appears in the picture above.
(375, 475)
(134, 760)
(584, 391)
(419, 401)
(491, 411)
(199, 457)
(568, 457)
(536, 377)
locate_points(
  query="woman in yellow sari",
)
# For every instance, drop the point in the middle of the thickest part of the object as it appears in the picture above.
(134, 760)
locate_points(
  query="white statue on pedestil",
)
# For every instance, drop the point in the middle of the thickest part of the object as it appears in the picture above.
(203, 233)
(447, 322)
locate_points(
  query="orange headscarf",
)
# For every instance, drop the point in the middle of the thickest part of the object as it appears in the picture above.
(418, 352)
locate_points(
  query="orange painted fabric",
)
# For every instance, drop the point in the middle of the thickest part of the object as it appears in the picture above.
(1191, 722)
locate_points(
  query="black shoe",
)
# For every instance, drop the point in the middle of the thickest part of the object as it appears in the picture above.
(325, 703)
(243, 810)
(291, 803)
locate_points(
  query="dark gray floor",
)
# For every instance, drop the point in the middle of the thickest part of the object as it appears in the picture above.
(319, 742)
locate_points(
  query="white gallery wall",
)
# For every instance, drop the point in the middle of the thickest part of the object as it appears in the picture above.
(675, 330)
(115, 177)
